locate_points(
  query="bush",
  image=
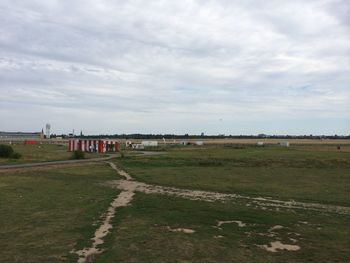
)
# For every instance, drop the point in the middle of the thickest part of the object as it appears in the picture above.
(78, 154)
(6, 151)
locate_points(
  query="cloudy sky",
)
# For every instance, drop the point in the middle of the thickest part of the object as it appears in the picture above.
(163, 66)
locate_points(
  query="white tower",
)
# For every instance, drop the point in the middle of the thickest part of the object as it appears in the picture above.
(47, 133)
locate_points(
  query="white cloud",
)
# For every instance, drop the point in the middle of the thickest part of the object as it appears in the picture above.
(162, 66)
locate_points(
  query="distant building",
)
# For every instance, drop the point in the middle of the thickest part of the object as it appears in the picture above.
(284, 144)
(21, 135)
(47, 129)
(149, 143)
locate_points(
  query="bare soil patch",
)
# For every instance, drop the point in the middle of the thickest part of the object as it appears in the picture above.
(183, 230)
(277, 245)
(276, 227)
(239, 223)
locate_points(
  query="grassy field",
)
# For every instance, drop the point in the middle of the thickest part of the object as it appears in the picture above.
(42, 153)
(45, 214)
(331, 144)
(283, 173)
(313, 174)
(142, 233)
(269, 141)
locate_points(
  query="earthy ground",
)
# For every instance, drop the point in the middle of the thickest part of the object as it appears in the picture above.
(210, 204)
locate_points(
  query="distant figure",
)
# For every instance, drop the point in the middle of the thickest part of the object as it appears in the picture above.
(338, 147)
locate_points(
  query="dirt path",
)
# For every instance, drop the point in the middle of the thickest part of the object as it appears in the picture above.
(120, 172)
(221, 197)
(86, 255)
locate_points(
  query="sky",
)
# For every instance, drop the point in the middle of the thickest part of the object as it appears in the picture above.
(163, 66)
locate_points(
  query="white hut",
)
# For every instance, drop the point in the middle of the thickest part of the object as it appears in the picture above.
(284, 144)
(149, 143)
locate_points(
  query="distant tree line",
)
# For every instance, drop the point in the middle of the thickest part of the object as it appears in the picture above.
(202, 136)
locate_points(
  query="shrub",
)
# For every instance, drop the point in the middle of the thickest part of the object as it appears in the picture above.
(78, 154)
(6, 151)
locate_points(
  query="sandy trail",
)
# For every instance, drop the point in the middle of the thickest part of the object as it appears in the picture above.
(120, 172)
(86, 255)
(258, 202)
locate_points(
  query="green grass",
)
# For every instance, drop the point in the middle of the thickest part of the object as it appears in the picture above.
(142, 235)
(42, 153)
(284, 173)
(45, 214)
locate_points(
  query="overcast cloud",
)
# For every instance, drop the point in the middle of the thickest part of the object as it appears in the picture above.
(190, 66)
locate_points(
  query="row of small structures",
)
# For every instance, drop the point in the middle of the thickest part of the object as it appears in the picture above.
(112, 145)
(99, 146)
(104, 145)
